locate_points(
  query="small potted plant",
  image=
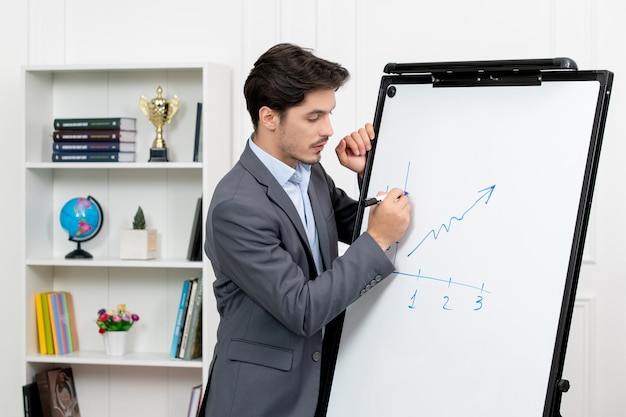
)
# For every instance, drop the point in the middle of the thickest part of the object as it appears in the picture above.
(138, 242)
(115, 320)
(113, 325)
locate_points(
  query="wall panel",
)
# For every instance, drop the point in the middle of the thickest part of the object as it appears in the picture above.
(364, 36)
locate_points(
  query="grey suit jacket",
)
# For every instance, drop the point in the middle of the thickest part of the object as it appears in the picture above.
(272, 306)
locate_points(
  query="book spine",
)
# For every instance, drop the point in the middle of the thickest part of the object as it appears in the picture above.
(67, 323)
(30, 394)
(185, 335)
(182, 308)
(46, 323)
(41, 331)
(93, 157)
(197, 148)
(194, 401)
(44, 393)
(78, 136)
(60, 323)
(192, 350)
(86, 146)
(101, 123)
(53, 323)
(194, 251)
(72, 316)
(27, 398)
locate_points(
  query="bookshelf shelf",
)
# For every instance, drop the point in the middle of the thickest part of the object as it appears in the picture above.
(173, 263)
(115, 165)
(149, 359)
(167, 193)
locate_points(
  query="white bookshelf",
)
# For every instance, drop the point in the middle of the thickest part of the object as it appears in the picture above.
(144, 381)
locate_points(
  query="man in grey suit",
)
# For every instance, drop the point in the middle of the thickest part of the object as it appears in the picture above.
(272, 230)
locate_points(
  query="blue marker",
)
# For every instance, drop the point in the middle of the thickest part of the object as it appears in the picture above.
(377, 199)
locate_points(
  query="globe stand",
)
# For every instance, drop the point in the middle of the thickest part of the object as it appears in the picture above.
(82, 220)
(79, 253)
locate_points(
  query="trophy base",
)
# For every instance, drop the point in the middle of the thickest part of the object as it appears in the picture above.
(158, 155)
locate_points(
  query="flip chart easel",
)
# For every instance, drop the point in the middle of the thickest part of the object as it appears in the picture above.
(499, 159)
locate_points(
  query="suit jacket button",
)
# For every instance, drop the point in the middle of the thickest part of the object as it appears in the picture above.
(379, 278)
(363, 291)
(373, 282)
(317, 356)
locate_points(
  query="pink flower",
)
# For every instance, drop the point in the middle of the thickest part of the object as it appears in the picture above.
(119, 320)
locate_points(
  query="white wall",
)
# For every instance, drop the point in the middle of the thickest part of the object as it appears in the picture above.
(363, 35)
(13, 50)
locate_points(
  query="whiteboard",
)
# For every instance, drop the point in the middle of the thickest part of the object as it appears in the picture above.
(468, 324)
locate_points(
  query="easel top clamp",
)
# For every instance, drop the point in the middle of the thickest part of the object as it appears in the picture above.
(484, 73)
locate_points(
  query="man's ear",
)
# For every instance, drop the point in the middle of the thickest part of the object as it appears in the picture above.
(268, 118)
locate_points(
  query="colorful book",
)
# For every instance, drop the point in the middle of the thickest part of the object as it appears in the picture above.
(187, 323)
(93, 135)
(41, 331)
(93, 157)
(96, 123)
(180, 317)
(93, 146)
(72, 320)
(56, 334)
(66, 322)
(47, 323)
(193, 348)
(59, 323)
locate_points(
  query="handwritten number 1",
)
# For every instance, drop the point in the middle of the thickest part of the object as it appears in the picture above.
(413, 300)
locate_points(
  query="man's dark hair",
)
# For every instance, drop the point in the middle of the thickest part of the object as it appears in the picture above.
(283, 75)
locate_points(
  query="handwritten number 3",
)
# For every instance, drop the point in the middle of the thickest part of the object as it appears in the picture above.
(479, 301)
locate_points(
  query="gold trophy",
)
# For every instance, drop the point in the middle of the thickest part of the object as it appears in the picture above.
(159, 111)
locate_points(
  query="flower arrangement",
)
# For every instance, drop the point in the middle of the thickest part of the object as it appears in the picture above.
(112, 320)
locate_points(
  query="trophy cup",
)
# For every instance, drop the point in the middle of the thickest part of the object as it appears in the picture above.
(159, 111)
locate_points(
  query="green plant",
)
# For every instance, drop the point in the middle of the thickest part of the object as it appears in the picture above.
(112, 320)
(139, 222)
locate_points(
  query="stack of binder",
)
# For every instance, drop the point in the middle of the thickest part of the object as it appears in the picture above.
(108, 139)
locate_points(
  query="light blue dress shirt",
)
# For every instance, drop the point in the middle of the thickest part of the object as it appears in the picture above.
(295, 182)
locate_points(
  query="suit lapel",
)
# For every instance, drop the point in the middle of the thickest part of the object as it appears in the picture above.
(277, 194)
(322, 232)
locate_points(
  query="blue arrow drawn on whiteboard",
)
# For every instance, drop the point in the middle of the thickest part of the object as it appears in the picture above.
(435, 234)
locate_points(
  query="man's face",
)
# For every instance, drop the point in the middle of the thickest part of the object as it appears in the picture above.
(305, 129)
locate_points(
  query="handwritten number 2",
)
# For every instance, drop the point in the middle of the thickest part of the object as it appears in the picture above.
(445, 304)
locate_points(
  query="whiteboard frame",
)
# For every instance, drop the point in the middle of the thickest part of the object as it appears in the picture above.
(491, 74)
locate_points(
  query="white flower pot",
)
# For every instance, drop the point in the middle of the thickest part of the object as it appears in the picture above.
(138, 244)
(115, 343)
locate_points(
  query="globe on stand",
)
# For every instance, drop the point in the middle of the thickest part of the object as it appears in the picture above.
(82, 220)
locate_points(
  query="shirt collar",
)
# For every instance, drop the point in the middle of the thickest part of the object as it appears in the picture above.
(281, 171)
